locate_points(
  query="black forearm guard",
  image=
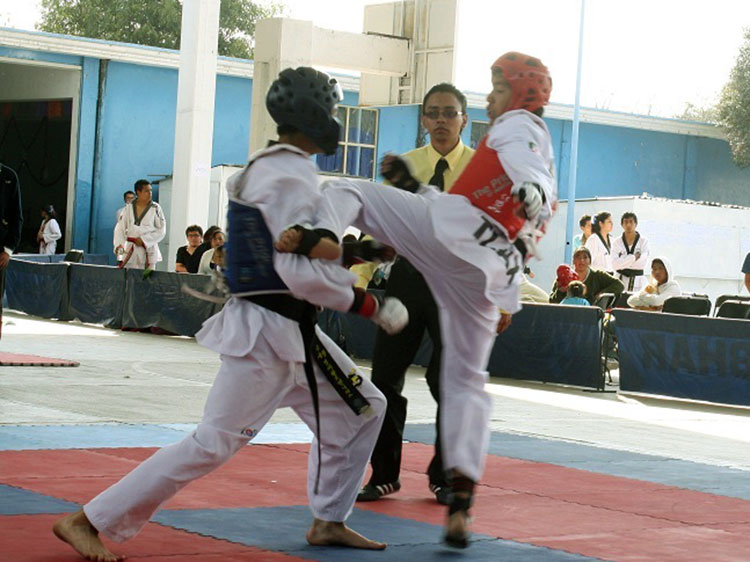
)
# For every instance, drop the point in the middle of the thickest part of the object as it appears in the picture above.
(310, 238)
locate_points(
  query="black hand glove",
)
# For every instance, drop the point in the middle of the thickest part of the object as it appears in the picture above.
(397, 172)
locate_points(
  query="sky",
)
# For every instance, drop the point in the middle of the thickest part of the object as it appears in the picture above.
(650, 57)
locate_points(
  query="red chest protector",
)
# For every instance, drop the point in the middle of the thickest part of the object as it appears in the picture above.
(485, 183)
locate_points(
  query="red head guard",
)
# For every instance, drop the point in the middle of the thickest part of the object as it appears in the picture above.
(565, 274)
(529, 80)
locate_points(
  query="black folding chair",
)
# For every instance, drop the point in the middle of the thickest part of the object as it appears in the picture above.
(734, 309)
(691, 306)
(605, 301)
(723, 298)
(622, 299)
(74, 256)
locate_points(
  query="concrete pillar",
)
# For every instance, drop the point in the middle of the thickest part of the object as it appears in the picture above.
(195, 121)
(279, 43)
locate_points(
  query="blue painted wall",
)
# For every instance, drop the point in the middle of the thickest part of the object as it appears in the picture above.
(136, 135)
(716, 177)
(127, 132)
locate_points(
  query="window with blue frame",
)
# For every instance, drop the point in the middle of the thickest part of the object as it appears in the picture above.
(478, 130)
(356, 152)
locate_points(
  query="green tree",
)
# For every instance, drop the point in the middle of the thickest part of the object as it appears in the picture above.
(155, 23)
(693, 112)
(734, 106)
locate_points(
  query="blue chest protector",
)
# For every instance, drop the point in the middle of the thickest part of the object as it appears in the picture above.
(249, 253)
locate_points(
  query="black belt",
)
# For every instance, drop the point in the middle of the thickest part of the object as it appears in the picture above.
(305, 314)
(630, 272)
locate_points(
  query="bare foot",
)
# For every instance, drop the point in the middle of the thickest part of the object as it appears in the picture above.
(76, 530)
(333, 533)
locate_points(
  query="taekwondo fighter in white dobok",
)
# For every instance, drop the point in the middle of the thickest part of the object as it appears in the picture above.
(139, 230)
(273, 354)
(630, 254)
(470, 245)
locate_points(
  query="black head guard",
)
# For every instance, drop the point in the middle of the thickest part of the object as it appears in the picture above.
(304, 98)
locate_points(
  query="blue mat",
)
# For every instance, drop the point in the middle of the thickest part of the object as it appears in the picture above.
(650, 468)
(282, 529)
(16, 501)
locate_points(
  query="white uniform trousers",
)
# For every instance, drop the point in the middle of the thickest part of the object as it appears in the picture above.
(432, 232)
(244, 396)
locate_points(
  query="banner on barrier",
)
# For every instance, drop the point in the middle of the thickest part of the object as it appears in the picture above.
(693, 357)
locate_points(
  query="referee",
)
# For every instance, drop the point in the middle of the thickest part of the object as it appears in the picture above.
(439, 163)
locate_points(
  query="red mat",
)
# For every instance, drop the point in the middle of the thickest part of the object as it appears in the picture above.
(23, 360)
(577, 511)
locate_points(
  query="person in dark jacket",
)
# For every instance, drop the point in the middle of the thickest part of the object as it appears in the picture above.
(596, 281)
(11, 221)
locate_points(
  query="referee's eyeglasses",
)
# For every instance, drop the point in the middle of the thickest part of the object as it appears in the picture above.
(446, 113)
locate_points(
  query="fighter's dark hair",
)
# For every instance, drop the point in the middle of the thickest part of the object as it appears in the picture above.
(629, 215)
(583, 220)
(128, 192)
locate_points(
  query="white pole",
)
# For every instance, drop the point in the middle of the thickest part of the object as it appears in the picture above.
(196, 88)
(571, 219)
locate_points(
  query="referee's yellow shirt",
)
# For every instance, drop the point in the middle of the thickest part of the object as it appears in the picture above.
(424, 159)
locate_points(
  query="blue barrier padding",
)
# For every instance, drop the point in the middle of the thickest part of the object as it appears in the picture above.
(96, 259)
(96, 294)
(38, 258)
(356, 335)
(551, 343)
(158, 300)
(693, 357)
(40, 289)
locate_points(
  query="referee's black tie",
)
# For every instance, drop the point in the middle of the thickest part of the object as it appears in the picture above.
(437, 178)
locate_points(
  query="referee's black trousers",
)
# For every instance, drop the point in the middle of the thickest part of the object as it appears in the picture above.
(391, 358)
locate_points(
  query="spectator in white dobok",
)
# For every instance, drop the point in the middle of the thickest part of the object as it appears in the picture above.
(600, 242)
(662, 287)
(49, 231)
(139, 230)
(630, 253)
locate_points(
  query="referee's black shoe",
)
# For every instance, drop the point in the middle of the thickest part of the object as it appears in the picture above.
(373, 492)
